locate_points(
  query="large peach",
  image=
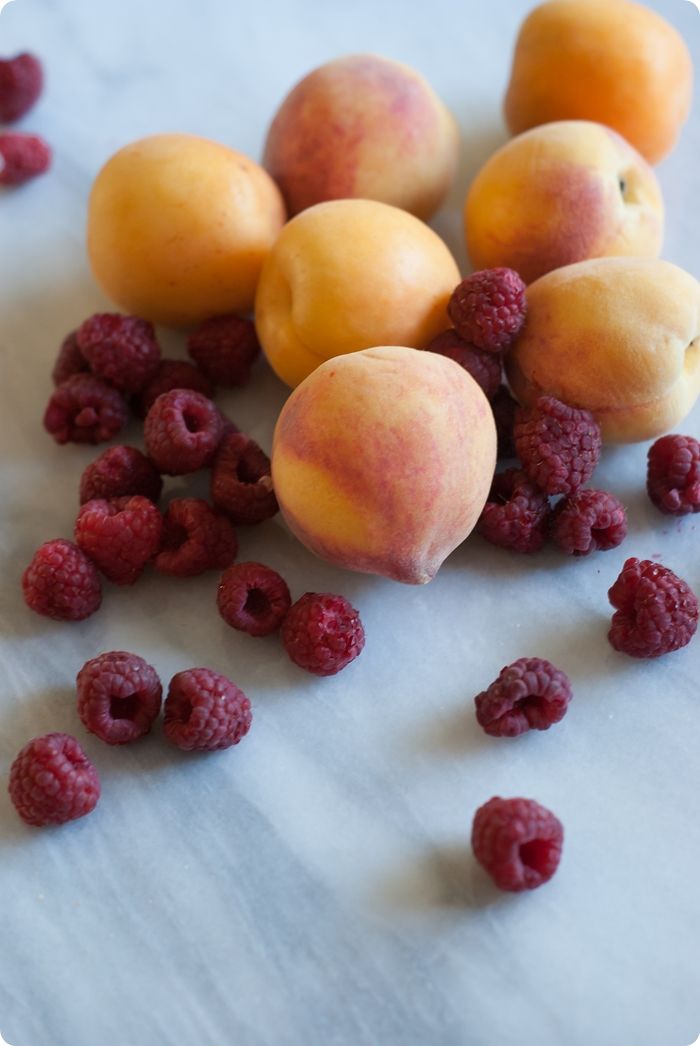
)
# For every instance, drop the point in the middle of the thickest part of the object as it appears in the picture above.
(179, 227)
(363, 126)
(561, 193)
(382, 460)
(347, 275)
(618, 336)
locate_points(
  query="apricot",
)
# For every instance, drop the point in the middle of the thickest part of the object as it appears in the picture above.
(179, 227)
(363, 126)
(618, 336)
(561, 193)
(382, 460)
(613, 61)
(346, 275)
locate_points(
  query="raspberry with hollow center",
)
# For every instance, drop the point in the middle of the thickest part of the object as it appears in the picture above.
(172, 374)
(52, 781)
(517, 842)
(530, 694)
(195, 539)
(488, 308)
(484, 367)
(241, 480)
(85, 410)
(656, 612)
(673, 474)
(122, 350)
(69, 361)
(23, 157)
(21, 83)
(61, 582)
(205, 711)
(322, 633)
(504, 407)
(253, 598)
(120, 472)
(559, 446)
(182, 431)
(225, 348)
(119, 535)
(587, 521)
(119, 697)
(516, 513)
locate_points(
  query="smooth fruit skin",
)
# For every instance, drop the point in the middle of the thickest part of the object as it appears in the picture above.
(382, 461)
(179, 227)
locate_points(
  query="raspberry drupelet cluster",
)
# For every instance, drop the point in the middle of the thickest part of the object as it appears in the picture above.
(22, 156)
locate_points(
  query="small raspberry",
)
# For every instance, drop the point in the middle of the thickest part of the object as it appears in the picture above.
(656, 612)
(120, 471)
(172, 374)
(484, 367)
(241, 481)
(85, 410)
(518, 842)
(52, 781)
(322, 633)
(119, 696)
(119, 535)
(61, 582)
(530, 694)
(195, 539)
(21, 83)
(587, 521)
(69, 361)
(559, 446)
(516, 513)
(504, 407)
(225, 348)
(488, 308)
(253, 598)
(205, 711)
(22, 157)
(182, 431)
(122, 350)
(673, 474)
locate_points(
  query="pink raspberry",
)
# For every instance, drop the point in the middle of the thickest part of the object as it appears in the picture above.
(225, 348)
(120, 471)
(530, 694)
(656, 612)
(61, 582)
(516, 513)
(253, 598)
(518, 842)
(488, 308)
(22, 157)
(172, 374)
(119, 535)
(195, 539)
(588, 520)
(205, 711)
(122, 350)
(559, 446)
(322, 633)
(182, 431)
(69, 361)
(673, 474)
(21, 83)
(52, 781)
(85, 410)
(484, 367)
(119, 697)
(241, 480)
(504, 407)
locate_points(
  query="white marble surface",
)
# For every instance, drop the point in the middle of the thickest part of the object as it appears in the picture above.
(314, 886)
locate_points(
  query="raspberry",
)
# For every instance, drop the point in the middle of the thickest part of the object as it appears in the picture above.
(488, 308)
(225, 348)
(172, 374)
(122, 350)
(322, 633)
(195, 539)
(516, 513)
(253, 598)
(518, 842)
(182, 431)
(205, 711)
(120, 471)
(61, 582)
(69, 361)
(85, 410)
(52, 781)
(504, 407)
(241, 482)
(558, 446)
(21, 83)
(119, 697)
(119, 535)
(673, 474)
(530, 694)
(22, 157)
(655, 610)
(588, 520)
(484, 367)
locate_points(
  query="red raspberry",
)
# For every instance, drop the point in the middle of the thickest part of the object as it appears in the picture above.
(559, 446)
(22, 157)
(504, 407)
(241, 481)
(120, 535)
(69, 361)
(120, 471)
(195, 539)
(225, 348)
(588, 520)
(52, 781)
(673, 474)
(119, 697)
(182, 431)
(253, 598)
(530, 694)
(488, 308)
(172, 374)
(121, 350)
(21, 83)
(85, 410)
(655, 610)
(61, 582)
(518, 842)
(322, 633)
(516, 513)
(205, 711)
(484, 367)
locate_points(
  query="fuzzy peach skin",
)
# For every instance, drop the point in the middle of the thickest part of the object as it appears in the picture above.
(363, 126)
(347, 275)
(382, 461)
(613, 61)
(179, 227)
(561, 193)
(618, 336)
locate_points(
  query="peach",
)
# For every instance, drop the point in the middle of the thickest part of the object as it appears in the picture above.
(363, 126)
(179, 227)
(347, 275)
(561, 193)
(382, 460)
(618, 336)
(613, 61)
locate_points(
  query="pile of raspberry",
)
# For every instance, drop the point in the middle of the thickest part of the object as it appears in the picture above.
(22, 156)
